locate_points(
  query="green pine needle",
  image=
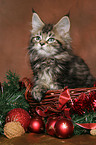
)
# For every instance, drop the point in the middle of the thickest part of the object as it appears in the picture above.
(88, 117)
(12, 97)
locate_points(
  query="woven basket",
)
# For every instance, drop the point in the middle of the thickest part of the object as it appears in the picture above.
(51, 99)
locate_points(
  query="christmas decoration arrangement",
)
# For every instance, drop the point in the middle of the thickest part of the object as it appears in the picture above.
(11, 96)
(61, 113)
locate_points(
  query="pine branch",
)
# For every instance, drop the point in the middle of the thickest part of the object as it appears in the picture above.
(11, 97)
(88, 117)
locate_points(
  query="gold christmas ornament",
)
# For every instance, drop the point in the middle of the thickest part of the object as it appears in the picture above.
(13, 129)
(93, 131)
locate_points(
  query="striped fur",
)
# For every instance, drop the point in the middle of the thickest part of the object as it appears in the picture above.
(53, 63)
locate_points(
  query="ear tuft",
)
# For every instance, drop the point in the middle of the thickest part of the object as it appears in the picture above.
(36, 22)
(33, 11)
(68, 14)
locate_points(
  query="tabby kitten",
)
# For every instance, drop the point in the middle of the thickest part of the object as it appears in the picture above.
(53, 63)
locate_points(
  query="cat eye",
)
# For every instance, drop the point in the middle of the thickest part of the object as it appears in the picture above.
(51, 40)
(37, 38)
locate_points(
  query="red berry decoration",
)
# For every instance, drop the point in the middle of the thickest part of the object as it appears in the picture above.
(19, 114)
(50, 125)
(64, 128)
(36, 125)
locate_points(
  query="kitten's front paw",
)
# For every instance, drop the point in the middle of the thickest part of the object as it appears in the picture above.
(36, 93)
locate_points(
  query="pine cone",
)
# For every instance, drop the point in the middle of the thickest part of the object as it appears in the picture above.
(13, 129)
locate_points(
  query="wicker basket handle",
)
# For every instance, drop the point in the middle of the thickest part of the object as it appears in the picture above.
(28, 86)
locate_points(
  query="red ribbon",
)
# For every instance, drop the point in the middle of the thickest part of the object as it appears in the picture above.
(64, 98)
(87, 125)
(47, 110)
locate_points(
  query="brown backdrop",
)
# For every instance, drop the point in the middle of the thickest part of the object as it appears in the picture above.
(15, 23)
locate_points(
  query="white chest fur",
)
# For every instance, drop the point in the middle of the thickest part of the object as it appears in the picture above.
(46, 78)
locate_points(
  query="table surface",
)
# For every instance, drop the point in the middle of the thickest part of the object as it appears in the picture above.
(42, 139)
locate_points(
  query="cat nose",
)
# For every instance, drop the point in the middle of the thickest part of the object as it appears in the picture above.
(42, 43)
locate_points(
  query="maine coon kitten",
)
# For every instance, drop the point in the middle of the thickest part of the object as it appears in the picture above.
(53, 63)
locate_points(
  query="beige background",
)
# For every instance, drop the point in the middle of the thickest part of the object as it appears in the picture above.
(15, 25)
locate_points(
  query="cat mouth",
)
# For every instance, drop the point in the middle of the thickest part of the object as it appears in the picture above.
(46, 51)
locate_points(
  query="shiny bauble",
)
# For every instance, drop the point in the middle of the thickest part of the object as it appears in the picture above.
(36, 125)
(50, 125)
(64, 128)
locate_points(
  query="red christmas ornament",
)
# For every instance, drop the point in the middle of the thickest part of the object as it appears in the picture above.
(50, 125)
(36, 125)
(64, 128)
(19, 114)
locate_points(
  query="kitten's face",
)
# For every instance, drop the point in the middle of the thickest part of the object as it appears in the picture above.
(46, 39)
(46, 44)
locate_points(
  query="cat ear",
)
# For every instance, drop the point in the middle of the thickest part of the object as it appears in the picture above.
(36, 23)
(63, 26)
